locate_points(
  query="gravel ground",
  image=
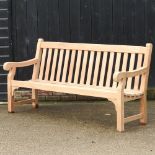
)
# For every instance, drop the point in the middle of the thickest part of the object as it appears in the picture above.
(74, 128)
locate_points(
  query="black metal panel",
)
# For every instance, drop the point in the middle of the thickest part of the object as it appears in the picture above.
(5, 50)
(94, 21)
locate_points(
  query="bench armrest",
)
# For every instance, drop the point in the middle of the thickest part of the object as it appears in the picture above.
(118, 76)
(9, 65)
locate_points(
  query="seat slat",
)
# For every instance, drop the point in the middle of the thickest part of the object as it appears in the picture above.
(111, 61)
(59, 65)
(103, 68)
(54, 65)
(132, 61)
(77, 67)
(90, 67)
(65, 66)
(84, 67)
(42, 64)
(96, 68)
(137, 78)
(71, 66)
(48, 64)
(117, 65)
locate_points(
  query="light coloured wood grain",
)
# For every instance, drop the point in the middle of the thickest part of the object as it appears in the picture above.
(9, 65)
(48, 64)
(59, 65)
(117, 65)
(38, 55)
(84, 67)
(96, 71)
(137, 78)
(125, 60)
(144, 84)
(109, 74)
(132, 61)
(71, 66)
(90, 67)
(54, 65)
(94, 47)
(42, 64)
(77, 69)
(65, 66)
(132, 118)
(120, 75)
(103, 68)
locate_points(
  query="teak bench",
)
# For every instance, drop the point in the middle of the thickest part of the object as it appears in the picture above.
(116, 72)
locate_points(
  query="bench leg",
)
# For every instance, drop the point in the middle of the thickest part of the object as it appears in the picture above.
(10, 99)
(120, 115)
(143, 109)
(35, 97)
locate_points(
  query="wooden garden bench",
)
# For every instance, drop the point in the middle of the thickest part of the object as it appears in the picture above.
(116, 72)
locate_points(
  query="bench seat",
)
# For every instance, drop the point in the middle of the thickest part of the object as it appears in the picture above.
(103, 92)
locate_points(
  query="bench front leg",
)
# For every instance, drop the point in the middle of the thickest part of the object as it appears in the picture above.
(11, 90)
(143, 109)
(119, 104)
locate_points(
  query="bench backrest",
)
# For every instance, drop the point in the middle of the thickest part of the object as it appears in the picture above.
(90, 64)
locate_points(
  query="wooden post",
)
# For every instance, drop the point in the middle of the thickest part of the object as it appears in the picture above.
(11, 90)
(144, 83)
(36, 74)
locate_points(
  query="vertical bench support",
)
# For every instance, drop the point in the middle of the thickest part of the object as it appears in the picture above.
(119, 106)
(36, 74)
(144, 84)
(11, 90)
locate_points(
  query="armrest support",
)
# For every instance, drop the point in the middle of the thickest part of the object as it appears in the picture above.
(118, 76)
(9, 65)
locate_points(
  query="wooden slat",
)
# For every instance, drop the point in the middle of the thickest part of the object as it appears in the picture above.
(59, 64)
(65, 66)
(68, 88)
(111, 61)
(48, 64)
(139, 64)
(132, 118)
(84, 67)
(42, 64)
(103, 68)
(28, 101)
(38, 55)
(117, 65)
(54, 64)
(77, 67)
(94, 47)
(125, 60)
(97, 63)
(131, 67)
(71, 66)
(90, 67)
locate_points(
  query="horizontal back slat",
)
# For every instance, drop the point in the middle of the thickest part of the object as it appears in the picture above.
(94, 47)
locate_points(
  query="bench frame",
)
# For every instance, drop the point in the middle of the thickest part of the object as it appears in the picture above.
(119, 77)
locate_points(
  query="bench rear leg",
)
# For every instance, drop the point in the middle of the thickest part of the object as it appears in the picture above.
(120, 115)
(143, 109)
(10, 99)
(35, 97)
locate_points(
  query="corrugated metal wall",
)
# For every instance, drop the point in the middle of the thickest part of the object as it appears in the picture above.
(5, 50)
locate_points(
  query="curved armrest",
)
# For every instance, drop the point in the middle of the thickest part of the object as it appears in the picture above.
(8, 65)
(118, 76)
